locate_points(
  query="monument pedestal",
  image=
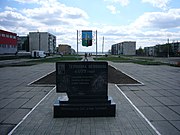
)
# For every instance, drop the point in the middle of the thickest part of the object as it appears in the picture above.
(64, 108)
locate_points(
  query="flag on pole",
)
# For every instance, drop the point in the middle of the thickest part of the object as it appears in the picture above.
(86, 38)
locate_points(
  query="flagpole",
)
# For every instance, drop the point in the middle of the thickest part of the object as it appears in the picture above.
(77, 42)
(103, 45)
(96, 43)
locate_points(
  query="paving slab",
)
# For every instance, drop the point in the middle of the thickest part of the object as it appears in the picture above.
(16, 103)
(14, 93)
(41, 120)
(151, 101)
(167, 113)
(176, 124)
(16, 117)
(5, 113)
(4, 102)
(160, 81)
(166, 128)
(153, 93)
(4, 129)
(165, 92)
(162, 84)
(151, 114)
(175, 109)
(166, 101)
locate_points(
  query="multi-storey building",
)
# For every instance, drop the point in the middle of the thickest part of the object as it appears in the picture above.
(164, 50)
(42, 41)
(8, 42)
(149, 51)
(64, 49)
(124, 48)
(23, 43)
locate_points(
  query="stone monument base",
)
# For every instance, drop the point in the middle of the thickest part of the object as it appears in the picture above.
(64, 108)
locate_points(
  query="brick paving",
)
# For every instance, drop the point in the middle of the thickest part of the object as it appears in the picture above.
(158, 100)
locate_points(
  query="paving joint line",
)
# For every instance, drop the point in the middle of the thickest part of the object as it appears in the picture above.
(141, 114)
(11, 132)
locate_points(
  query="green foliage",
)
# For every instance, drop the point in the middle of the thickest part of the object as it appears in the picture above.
(142, 61)
(8, 57)
(112, 58)
(56, 59)
(147, 62)
(140, 51)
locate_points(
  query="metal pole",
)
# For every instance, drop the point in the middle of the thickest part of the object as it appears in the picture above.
(39, 41)
(168, 49)
(96, 43)
(103, 45)
(77, 42)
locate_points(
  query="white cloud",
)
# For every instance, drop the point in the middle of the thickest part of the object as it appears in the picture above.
(56, 10)
(158, 3)
(63, 21)
(121, 2)
(49, 15)
(159, 20)
(112, 9)
(57, 14)
(10, 8)
(27, 1)
(11, 15)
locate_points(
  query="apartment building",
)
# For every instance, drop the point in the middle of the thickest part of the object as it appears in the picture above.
(8, 42)
(42, 41)
(124, 48)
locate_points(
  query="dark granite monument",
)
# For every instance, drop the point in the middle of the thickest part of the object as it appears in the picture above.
(86, 85)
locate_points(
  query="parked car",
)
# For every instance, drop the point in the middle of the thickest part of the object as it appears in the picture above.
(38, 54)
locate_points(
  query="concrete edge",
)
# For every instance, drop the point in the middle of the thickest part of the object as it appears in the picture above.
(139, 112)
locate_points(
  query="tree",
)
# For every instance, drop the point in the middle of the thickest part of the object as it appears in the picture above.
(109, 51)
(140, 51)
(25, 45)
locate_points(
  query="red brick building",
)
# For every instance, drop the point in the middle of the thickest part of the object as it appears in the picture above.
(8, 42)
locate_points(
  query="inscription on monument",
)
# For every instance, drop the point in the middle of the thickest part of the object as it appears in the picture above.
(82, 78)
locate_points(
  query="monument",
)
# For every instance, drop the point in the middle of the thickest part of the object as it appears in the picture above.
(86, 85)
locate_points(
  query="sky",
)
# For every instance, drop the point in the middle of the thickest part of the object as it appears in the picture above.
(148, 22)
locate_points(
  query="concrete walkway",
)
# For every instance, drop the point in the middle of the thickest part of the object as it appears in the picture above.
(159, 98)
(16, 97)
(87, 59)
(158, 101)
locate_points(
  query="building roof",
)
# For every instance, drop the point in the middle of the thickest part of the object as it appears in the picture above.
(8, 32)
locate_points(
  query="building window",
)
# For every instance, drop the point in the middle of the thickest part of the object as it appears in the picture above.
(14, 37)
(7, 35)
(11, 36)
(3, 35)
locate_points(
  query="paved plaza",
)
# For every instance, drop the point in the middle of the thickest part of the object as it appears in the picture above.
(152, 108)
(16, 97)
